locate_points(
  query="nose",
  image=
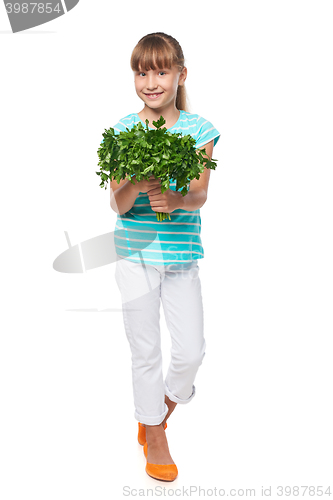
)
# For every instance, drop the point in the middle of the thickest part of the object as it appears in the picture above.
(151, 82)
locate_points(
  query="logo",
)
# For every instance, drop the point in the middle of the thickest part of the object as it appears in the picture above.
(25, 15)
(99, 251)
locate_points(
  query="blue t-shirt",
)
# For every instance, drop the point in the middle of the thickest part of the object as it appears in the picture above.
(139, 236)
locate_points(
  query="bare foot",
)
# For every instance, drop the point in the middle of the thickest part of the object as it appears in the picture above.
(158, 449)
(171, 405)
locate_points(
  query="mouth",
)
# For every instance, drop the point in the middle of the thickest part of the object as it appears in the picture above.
(156, 95)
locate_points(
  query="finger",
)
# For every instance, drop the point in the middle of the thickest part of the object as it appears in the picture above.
(159, 209)
(157, 203)
(155, 191)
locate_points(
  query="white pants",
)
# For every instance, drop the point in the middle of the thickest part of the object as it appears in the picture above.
(178, 286)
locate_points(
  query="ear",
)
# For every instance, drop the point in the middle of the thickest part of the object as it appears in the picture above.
(182, 76)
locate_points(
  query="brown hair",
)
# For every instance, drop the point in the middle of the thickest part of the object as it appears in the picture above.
(157, 51)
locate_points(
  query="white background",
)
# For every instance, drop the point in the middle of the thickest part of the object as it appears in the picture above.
(261, 72)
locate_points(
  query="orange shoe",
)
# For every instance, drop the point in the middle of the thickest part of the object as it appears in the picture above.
(142, 433)
(165, 472)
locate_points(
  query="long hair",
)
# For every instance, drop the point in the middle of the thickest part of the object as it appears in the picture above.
(156, 51)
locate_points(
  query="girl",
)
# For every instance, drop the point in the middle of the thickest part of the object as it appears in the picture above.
(158, 261)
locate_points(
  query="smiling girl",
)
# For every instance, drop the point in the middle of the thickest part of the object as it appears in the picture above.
(166, 267)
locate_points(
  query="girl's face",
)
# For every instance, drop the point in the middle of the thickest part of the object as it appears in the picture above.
(158, 87)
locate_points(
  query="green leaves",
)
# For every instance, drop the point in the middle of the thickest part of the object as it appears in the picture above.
(158, 152)
(159, 122)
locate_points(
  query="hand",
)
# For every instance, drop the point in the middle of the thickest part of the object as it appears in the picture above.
(145, 186)
(166, 202)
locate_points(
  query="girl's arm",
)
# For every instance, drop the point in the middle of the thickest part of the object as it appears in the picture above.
(198, 192)
(124, 194)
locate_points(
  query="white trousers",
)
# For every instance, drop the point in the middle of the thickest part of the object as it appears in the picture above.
(142, 288)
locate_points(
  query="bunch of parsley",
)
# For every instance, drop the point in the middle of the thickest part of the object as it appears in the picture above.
(142, 152)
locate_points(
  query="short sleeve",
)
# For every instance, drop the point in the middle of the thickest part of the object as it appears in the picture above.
(119, 127)
(206, 132)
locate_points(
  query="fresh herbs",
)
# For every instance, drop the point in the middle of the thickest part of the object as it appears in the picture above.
(141, 152)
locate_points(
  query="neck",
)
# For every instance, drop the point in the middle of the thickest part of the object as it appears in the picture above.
(170, 115)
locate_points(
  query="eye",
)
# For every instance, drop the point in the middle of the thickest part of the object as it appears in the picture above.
(141, 73)
(162, 72)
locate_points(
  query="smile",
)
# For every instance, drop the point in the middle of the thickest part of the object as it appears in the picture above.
(154, 96)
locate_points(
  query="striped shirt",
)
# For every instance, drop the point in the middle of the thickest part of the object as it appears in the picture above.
(139, 236)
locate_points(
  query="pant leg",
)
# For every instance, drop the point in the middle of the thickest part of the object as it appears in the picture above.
(141, 316)
(183, 308)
